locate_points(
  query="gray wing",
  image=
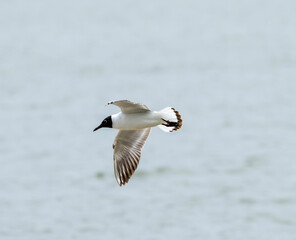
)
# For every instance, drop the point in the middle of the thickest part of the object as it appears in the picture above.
(127, 153)
(127, 106)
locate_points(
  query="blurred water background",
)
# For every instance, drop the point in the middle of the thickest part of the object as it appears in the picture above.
(229, 67)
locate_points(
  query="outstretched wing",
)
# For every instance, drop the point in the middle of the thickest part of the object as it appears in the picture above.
(127, 106)
(127, 152)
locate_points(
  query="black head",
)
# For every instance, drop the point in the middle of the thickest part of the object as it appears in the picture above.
(107, 122)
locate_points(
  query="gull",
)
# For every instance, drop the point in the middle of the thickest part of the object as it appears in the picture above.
(134, 123)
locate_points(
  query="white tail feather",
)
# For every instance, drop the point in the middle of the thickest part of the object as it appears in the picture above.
(171, 120)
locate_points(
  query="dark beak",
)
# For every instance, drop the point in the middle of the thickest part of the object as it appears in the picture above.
(98, 127)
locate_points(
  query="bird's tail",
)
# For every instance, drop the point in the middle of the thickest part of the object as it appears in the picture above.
(171, 120)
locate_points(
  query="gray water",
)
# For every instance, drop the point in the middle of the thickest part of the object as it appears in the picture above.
(229, 67)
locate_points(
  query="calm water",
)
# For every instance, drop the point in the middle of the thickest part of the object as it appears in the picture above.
(227, 66)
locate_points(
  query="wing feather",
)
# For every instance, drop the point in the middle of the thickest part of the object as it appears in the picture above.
(128, 145)
(127, 106)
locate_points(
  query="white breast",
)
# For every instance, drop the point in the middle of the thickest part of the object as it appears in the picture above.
(136, 120)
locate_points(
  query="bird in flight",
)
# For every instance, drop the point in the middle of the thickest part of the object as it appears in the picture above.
(134, 123)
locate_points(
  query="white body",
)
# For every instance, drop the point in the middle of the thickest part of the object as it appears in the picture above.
(135, 121)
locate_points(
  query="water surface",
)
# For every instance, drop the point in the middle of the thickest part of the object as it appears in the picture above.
(228, 67)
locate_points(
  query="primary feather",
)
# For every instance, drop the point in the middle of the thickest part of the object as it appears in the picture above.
(127, 146)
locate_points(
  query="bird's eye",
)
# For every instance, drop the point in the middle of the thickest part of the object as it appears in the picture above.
(105, 121)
